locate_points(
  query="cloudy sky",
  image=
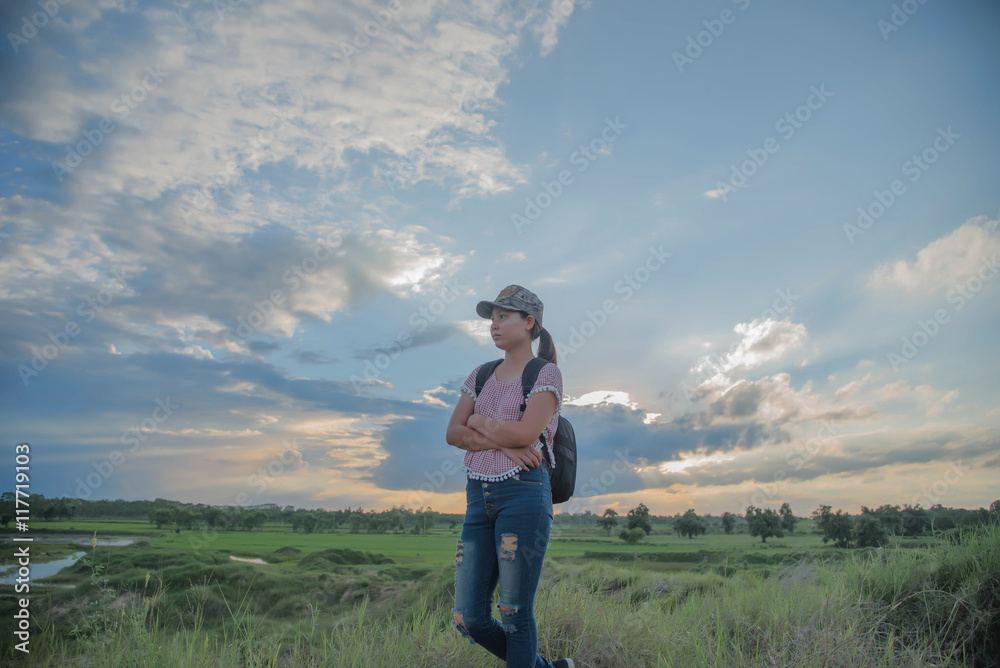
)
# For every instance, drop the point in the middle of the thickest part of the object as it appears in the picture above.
(241, 244)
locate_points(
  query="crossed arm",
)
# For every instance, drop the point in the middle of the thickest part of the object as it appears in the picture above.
(473, 432)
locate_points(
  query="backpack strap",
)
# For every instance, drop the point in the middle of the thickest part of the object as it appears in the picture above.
(528, 378)
(485, 371)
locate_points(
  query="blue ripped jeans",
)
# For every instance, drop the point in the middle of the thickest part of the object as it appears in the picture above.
(504, 538)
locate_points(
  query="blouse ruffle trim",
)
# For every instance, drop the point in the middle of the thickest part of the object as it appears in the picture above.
(469, 392)
(549, 388)
(491, 478)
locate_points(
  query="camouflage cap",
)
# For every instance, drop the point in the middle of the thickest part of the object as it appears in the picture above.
(513, 298)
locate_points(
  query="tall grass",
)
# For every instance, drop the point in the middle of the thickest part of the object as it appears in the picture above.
(937, 606)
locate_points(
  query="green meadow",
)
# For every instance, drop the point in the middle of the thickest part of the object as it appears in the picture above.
(356, 599)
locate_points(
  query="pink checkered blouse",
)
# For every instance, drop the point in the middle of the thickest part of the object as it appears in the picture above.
(502, 401)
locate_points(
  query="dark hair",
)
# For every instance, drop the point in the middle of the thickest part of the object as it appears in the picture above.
(546, 346)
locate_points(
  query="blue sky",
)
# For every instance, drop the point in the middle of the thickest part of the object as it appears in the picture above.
(242, 243)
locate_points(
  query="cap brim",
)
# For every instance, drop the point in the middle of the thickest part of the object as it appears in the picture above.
(485, 309)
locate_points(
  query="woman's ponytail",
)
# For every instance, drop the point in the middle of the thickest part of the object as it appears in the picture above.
(546, 346)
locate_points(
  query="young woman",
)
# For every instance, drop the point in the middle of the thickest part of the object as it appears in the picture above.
(508, 515)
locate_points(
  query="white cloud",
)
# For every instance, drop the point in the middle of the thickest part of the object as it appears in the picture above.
(423, 86)
(558, 15)
(944, 262)
(607, 397)
(246, 104)
(762, 341)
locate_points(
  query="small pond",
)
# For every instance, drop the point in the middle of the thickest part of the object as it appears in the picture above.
(8, 574)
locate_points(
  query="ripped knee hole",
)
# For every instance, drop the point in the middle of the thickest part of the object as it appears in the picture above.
(508, 546)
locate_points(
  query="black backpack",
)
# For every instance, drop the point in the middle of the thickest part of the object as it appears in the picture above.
(563, 474)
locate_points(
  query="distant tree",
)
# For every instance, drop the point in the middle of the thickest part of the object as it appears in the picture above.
(402, 518)
(247, 521)
(309, 522)
(235, 518)
(787, 518)
(161, 516)
(995, 507)
(184, 518)
(6, 508)
(835, 527)
(968, 519)
(426, 519)
(764, 523)
(638, 517)
(728, 521)
(868, 531)
(258, 519)
(356, 521)
(632, 536)
(57, 508)
(609, 520)
(890, 518)
(212, 517)
(38, 504)
(915, 520)
(689, 524)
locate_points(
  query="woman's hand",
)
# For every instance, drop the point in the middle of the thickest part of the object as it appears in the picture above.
(526, 458)
(474, 419)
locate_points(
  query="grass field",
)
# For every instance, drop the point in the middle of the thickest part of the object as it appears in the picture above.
(342, 599)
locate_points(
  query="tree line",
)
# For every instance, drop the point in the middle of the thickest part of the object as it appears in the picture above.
(871, 528)
(179, 516)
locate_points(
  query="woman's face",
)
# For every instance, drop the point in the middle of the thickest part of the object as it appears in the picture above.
(509, 328)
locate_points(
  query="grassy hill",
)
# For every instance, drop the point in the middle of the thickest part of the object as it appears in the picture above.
(385, 600)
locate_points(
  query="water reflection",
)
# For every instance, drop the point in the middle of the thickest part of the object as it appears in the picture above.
(8, 575)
